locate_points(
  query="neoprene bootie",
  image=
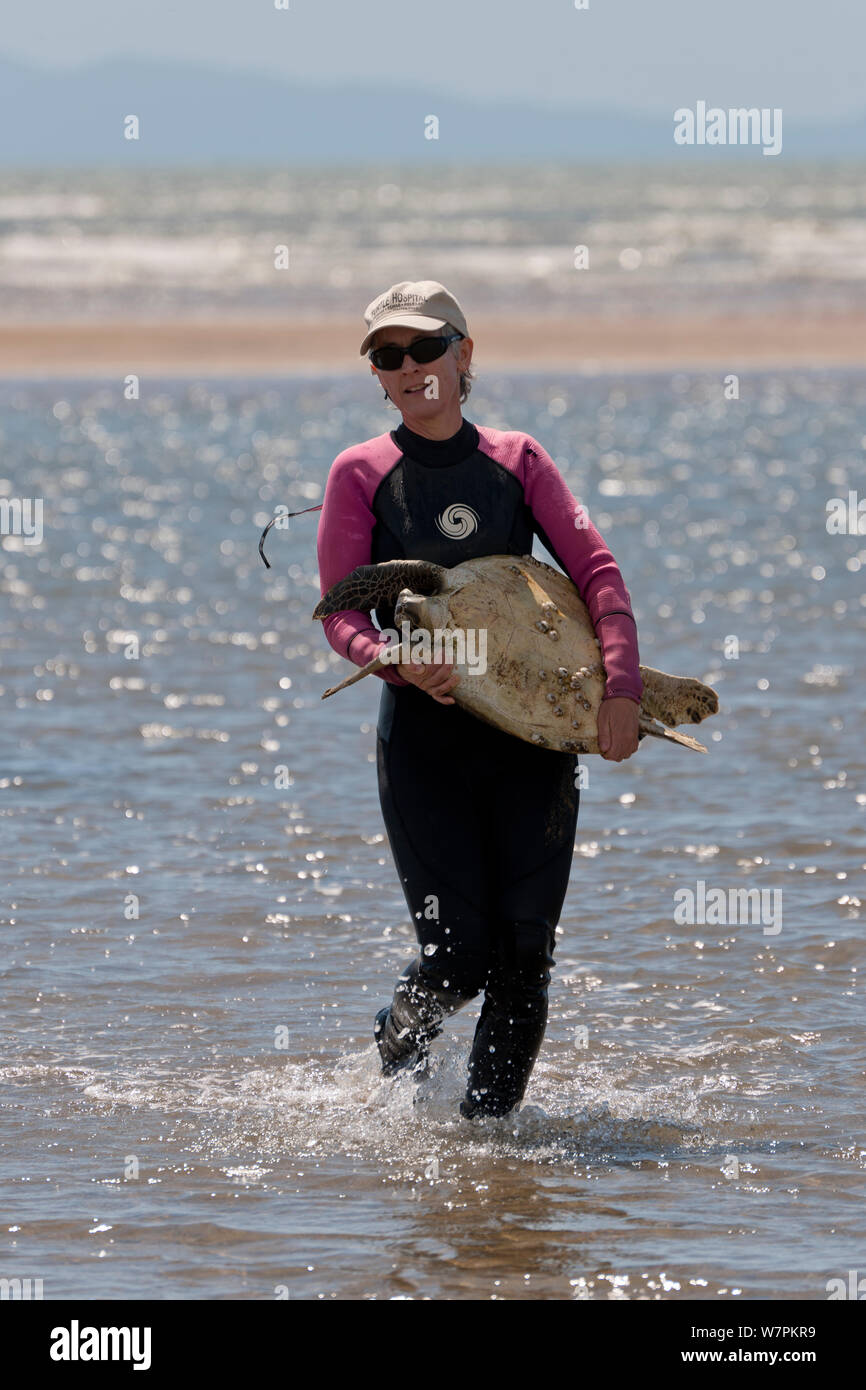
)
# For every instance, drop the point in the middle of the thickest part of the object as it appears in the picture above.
(404, 1030)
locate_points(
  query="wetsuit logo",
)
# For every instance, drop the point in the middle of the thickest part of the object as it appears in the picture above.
(457, 521)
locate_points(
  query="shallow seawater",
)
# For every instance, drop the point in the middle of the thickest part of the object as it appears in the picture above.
(756, 239)
(194, 955)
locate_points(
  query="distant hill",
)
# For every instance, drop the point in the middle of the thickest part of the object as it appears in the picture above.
(192, 115)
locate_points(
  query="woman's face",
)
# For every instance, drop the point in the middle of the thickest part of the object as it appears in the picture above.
(423, 389)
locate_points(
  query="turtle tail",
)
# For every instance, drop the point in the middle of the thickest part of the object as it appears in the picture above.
(370, 585)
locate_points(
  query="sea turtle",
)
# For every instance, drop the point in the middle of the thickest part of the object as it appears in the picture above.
(544, 677)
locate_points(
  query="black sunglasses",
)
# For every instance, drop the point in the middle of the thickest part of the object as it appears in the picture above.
(390, 357)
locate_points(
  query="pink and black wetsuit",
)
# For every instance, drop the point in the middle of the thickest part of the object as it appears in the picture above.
(481, 824)
(482, 492)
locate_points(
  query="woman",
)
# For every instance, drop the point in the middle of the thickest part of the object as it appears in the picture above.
(481, 824)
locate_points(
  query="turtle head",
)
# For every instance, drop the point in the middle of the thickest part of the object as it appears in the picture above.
(421, 610)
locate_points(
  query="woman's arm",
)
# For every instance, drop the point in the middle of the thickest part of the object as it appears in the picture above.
(564, 527)
(344, 542)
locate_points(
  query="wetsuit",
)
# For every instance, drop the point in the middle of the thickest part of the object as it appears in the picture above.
(481, 824)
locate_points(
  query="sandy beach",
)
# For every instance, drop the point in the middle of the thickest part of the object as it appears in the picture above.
(261, 346)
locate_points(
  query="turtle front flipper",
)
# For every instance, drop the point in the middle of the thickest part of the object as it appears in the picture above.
(370, 585)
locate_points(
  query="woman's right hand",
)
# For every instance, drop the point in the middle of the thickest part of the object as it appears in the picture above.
(434, 677)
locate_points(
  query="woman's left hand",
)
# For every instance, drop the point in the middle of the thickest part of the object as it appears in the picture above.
(618, 728)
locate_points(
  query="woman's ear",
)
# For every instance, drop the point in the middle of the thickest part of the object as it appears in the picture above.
(373, 372)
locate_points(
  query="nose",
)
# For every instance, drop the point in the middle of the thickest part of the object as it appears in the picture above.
(407, 606)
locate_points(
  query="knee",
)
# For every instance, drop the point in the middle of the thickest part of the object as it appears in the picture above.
(532, 945)
(459, 973)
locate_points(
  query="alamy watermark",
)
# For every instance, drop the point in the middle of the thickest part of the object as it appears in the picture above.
(22, 516)
(77, 1343)
(855, 1288)
(23, 1289)
(718, 907)
(458, 646)
(846, 517)
(739, 125)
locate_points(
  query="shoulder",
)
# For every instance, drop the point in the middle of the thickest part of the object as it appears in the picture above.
(508, 447)
(369, 452)
(514, 449)
(369, 459)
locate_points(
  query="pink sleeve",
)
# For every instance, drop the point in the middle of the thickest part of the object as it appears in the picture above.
(345, 531)
(565, 527)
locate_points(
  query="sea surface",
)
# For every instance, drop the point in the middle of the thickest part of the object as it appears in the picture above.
(200, 915)
(757, 239)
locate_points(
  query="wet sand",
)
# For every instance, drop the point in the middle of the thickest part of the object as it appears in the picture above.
(257, 346)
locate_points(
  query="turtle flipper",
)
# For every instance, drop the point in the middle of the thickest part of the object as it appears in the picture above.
(676, 699)
(651, 726)
(369, 585)
(369, 670)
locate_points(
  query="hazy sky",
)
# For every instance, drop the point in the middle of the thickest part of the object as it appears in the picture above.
(807, 56)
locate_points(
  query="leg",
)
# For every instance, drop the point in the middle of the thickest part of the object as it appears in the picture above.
(513, 1020)
(533, 833)
(438, 849)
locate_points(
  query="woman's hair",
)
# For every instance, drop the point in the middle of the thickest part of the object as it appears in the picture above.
(467, 376)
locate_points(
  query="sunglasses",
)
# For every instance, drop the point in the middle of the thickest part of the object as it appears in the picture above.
(390, 357)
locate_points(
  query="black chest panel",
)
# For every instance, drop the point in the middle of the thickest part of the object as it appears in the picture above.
(448, 514)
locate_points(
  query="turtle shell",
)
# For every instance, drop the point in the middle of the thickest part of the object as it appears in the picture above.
(544, 678)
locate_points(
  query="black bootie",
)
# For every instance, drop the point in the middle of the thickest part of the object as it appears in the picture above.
(404, 1031)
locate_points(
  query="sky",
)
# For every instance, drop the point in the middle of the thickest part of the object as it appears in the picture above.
(622, 55)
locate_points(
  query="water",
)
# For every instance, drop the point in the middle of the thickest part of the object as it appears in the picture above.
(152, 243)
(191, 1101)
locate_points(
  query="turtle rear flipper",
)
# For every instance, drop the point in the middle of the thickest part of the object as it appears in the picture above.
(651, 726)
(676, 699)
(370, 585)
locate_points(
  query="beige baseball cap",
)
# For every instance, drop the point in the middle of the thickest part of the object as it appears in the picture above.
(415, 304)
